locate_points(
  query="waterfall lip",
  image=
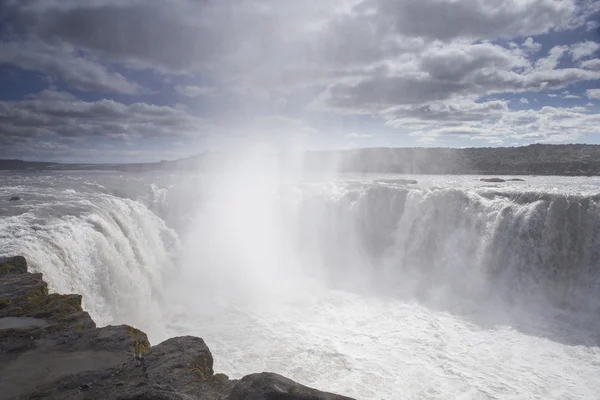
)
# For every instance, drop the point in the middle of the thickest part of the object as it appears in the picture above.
(356, 232)
(365, 281)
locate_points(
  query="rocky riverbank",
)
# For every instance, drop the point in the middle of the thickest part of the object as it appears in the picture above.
(50, 348)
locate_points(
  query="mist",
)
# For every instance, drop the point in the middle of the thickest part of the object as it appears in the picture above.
(381, 198)
(365, 280)
(276, 252)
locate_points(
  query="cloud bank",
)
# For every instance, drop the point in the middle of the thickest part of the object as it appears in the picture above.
(428, 71)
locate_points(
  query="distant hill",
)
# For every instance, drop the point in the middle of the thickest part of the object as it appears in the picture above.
(24, 165)
(536, 159)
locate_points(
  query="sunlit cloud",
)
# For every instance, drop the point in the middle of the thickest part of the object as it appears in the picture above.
(221, 65)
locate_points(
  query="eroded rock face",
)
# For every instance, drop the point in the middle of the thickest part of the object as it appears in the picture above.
(13, 265)
(272, 386)
(178, 368)
(51, 349)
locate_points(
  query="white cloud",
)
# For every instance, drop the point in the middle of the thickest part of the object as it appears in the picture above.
(57, 114)
(593, 64)
(450, 71)
(257, 38)
(495, 121)
(523, 100)
(592, 25)
(63, 63)
(593, 94)
(551, 61)
(481, 19)
(430, 58)
(584, 49)
(571, 96)
(531, 45)
(273, 44)
(195, 91)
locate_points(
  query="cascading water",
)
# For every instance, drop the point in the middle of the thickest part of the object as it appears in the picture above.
(112, 250)
(362, 285)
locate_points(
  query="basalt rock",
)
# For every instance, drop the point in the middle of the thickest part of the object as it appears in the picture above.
(398, 181)
(14, 198)
(13, 265)
(493, 180)
(272, 386)
(50, 348)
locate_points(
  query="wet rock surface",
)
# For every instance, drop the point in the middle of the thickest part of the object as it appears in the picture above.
(493, 180)
(272, 386)
(13, 265)
(398, 181)
(51, 349)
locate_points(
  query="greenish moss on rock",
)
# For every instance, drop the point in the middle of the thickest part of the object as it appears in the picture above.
(140, 345)
(13, 265)
(202, 366)
(51, 349)
(4, 303)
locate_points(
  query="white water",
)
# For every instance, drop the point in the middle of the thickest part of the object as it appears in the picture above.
(378, 290)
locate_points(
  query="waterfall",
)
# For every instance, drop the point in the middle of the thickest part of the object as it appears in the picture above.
(252, 236)
(372, 287)
(114, 251)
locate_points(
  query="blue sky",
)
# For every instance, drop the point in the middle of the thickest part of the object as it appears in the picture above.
(122, 81)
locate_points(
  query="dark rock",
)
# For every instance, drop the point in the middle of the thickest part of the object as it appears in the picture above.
(14, 198)
(492, 180)
(398, 181)
(22, 323)
(269, 386)
(515, 180)
(13, 265)
(186, 356)
(24, 294)
(51, 349)
(178, 368)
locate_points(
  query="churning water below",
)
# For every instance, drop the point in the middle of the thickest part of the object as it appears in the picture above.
(364, 285)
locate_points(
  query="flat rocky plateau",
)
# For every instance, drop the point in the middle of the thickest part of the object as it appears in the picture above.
(51, 349)
(535, 159)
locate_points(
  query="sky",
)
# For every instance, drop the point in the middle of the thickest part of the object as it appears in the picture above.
(146, 80)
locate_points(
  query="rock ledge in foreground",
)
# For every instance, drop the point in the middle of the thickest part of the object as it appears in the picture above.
(51, 349)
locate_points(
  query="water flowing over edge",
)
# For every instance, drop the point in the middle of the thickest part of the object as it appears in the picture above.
(249, 240)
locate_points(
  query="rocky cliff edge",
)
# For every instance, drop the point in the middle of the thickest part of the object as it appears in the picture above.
(51, 349)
